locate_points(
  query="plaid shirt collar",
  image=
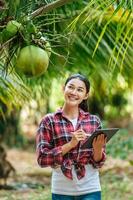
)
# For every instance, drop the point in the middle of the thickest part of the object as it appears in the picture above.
(82, 114)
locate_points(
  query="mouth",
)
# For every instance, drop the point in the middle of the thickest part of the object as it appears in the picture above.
(72, 98)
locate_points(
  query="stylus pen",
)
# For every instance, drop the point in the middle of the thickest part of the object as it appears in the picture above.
(88, 134)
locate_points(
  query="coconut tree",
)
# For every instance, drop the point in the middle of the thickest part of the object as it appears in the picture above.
(103, 33)
(110, 24)
(22, 24)
(93, 37)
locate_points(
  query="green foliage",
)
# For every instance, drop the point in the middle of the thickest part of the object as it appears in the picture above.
(103, 34)
(13, 92)
(99, 31)
(120, 145)
(116, 185)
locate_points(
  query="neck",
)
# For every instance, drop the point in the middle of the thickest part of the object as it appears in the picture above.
(70, 112)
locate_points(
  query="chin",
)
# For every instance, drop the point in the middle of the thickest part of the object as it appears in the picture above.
(72, 103)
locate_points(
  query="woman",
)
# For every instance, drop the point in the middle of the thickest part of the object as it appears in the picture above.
(59, 144)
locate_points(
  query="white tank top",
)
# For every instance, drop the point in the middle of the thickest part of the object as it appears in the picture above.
(89, 183)
(74, 122)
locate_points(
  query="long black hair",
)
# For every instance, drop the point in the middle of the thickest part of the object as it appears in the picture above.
(83, 105)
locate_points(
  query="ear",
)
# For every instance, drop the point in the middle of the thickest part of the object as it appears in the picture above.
(63, 88)
(87, 95)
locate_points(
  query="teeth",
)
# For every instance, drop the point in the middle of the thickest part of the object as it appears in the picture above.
(72, 98)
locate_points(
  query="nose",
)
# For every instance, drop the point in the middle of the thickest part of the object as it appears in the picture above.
(74, 91)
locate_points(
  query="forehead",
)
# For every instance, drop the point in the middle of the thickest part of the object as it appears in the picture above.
(77, 82)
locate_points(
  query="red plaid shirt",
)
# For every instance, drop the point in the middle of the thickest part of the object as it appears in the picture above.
(56, 130)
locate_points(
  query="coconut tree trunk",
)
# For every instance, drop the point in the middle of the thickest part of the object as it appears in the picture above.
(9, 128)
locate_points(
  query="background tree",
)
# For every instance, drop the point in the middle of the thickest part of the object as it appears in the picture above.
(94, 38)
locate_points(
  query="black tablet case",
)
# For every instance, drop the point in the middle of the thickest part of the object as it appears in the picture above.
(108, 132)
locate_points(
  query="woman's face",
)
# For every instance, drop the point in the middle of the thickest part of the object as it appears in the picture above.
(75, 92)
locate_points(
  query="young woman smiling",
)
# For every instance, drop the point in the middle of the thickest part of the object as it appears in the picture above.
(60, 135)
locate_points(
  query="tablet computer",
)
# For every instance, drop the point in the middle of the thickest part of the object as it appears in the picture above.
(108, 132)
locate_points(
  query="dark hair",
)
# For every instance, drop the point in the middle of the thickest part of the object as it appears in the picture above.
(83, 105)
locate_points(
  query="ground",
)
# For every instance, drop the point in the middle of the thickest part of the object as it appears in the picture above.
(33, 183)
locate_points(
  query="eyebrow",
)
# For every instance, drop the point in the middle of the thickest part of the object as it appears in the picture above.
(78, 87)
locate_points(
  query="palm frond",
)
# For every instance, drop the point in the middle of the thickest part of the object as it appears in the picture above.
(116, 22)
(97, 41)
(13, 92)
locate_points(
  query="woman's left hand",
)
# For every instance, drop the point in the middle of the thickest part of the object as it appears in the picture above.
(99, 142)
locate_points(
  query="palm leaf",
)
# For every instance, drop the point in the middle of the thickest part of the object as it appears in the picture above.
(13, 88)
(117, 24)
(13, 92)
(95, 29)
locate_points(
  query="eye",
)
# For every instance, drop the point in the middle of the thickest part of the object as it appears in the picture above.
(70, 87)
(80, 90)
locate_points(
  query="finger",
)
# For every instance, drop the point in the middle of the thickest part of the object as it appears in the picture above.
(80, 139)
(79, 131)
(81, 136)
(95, 140)
(82, 130)
(76, 133)
(100, 137)
(105, 140)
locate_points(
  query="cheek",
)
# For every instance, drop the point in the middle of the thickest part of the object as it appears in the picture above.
(65, 92)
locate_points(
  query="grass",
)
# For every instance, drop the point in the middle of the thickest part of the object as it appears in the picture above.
(116, 185)
(116, 181)
(36, 194)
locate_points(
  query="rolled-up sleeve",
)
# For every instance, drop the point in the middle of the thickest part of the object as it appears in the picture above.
(47, 154)
(100, 163)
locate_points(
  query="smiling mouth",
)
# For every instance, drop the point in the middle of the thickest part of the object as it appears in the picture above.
(72, 98)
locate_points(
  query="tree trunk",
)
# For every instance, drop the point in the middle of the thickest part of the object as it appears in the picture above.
(9, 129)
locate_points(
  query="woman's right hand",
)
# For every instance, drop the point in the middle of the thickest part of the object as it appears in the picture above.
(77, 136)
